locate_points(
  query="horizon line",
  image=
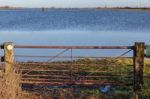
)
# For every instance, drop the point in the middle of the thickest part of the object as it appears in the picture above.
(98, 7)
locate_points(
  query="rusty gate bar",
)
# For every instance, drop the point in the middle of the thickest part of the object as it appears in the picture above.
(74, 47)
(64, 56)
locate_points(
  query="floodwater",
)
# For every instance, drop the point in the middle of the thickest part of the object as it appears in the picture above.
(74, 27)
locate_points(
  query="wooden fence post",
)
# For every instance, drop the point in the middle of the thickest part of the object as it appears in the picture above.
(138, 65)
(12, 81)
(8, 57)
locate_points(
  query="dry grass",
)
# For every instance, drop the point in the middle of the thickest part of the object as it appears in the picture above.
(9, 86)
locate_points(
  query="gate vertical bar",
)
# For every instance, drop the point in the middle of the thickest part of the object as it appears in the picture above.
(138, 65)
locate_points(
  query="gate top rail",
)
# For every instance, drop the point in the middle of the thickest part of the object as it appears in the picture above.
(73, 47)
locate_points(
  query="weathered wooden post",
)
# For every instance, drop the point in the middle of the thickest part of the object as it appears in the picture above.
(138, 65)
(8, 57)
(11, 82)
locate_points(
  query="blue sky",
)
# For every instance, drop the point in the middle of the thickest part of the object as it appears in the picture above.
(74, 3)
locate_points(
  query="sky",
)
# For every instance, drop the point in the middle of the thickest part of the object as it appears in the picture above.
(75, 3)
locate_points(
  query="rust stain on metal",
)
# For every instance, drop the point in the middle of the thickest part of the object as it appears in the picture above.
(74, 47)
